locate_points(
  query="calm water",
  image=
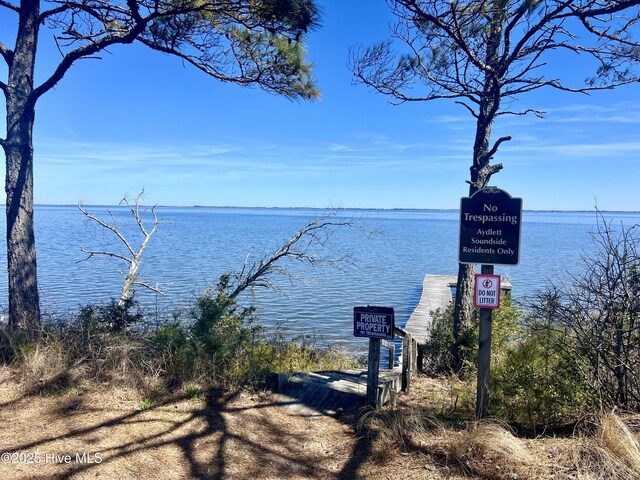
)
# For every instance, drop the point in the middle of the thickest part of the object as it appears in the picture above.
(193, 246)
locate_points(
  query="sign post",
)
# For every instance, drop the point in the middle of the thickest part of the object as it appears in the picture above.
(484, 354)
(376, 323)
(490, 225)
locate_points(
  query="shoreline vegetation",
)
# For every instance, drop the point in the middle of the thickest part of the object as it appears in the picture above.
(109, 384)
(123, 428)
(120, 397)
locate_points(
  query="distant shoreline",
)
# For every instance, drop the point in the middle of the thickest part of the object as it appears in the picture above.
(357, 209)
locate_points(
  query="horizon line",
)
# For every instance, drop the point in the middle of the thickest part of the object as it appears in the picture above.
(387, 209)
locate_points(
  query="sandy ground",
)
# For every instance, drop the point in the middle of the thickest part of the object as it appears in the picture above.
(102, 432)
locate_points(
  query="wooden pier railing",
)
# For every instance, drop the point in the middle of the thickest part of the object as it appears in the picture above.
(408, 356)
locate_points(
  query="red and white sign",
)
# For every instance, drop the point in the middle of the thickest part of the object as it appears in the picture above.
(486, 293)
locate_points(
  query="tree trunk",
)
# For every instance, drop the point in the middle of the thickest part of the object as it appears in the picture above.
(480, 173)
(24, 307)
(462, 309)
(463, 302)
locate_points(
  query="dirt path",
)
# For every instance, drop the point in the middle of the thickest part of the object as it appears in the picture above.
(110, 433)
(103, 433)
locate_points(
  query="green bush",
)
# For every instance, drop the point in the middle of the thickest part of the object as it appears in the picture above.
(176, 352)
(110, 317)
(536, 383)
(220, 342)
(216, 343)
(438, 357)
(224, 335)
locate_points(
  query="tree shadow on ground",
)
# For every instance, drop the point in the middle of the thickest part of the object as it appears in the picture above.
(206, 441)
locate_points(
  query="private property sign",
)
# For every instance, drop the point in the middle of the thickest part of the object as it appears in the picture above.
(373, 322)
(490, 223)
(487, 291)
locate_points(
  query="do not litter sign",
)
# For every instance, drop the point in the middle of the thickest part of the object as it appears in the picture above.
(486, 291)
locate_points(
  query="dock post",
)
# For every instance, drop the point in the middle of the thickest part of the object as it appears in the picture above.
(372, 373)
(392, 355)
(407, 362)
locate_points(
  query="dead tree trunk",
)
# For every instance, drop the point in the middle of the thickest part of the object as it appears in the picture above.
(134, 258)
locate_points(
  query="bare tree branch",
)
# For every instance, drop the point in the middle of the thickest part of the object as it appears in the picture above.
(496, 145)
(471, 110)
(300, 248)
(54, 11)
(84, 51)
(153, 288)
(112, 228)
(135, 255)
(10, 6)
(537, 113)
(7, 55)
(91, 253)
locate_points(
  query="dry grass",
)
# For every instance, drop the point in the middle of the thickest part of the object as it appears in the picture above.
(490, 450)
(393, 431)
(618, 440)
(224, 435)
(613, 453)
(483, 450)
(45, 366)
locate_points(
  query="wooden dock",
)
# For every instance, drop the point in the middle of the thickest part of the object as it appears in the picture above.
(314, 394)
(436, 295)
(329, 393)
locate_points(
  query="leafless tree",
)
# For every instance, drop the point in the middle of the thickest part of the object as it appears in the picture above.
(484, 55)
(247, 42)
(134, 256)
(598, 314)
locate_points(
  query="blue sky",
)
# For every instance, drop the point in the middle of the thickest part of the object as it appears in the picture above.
(139, 119)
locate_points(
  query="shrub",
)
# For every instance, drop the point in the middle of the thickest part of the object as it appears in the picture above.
(537, 384)
(176, 352)
(439, 359)
(600, 311)
(224, 334)
(216, 343)
(535, 381)
(110, 317)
